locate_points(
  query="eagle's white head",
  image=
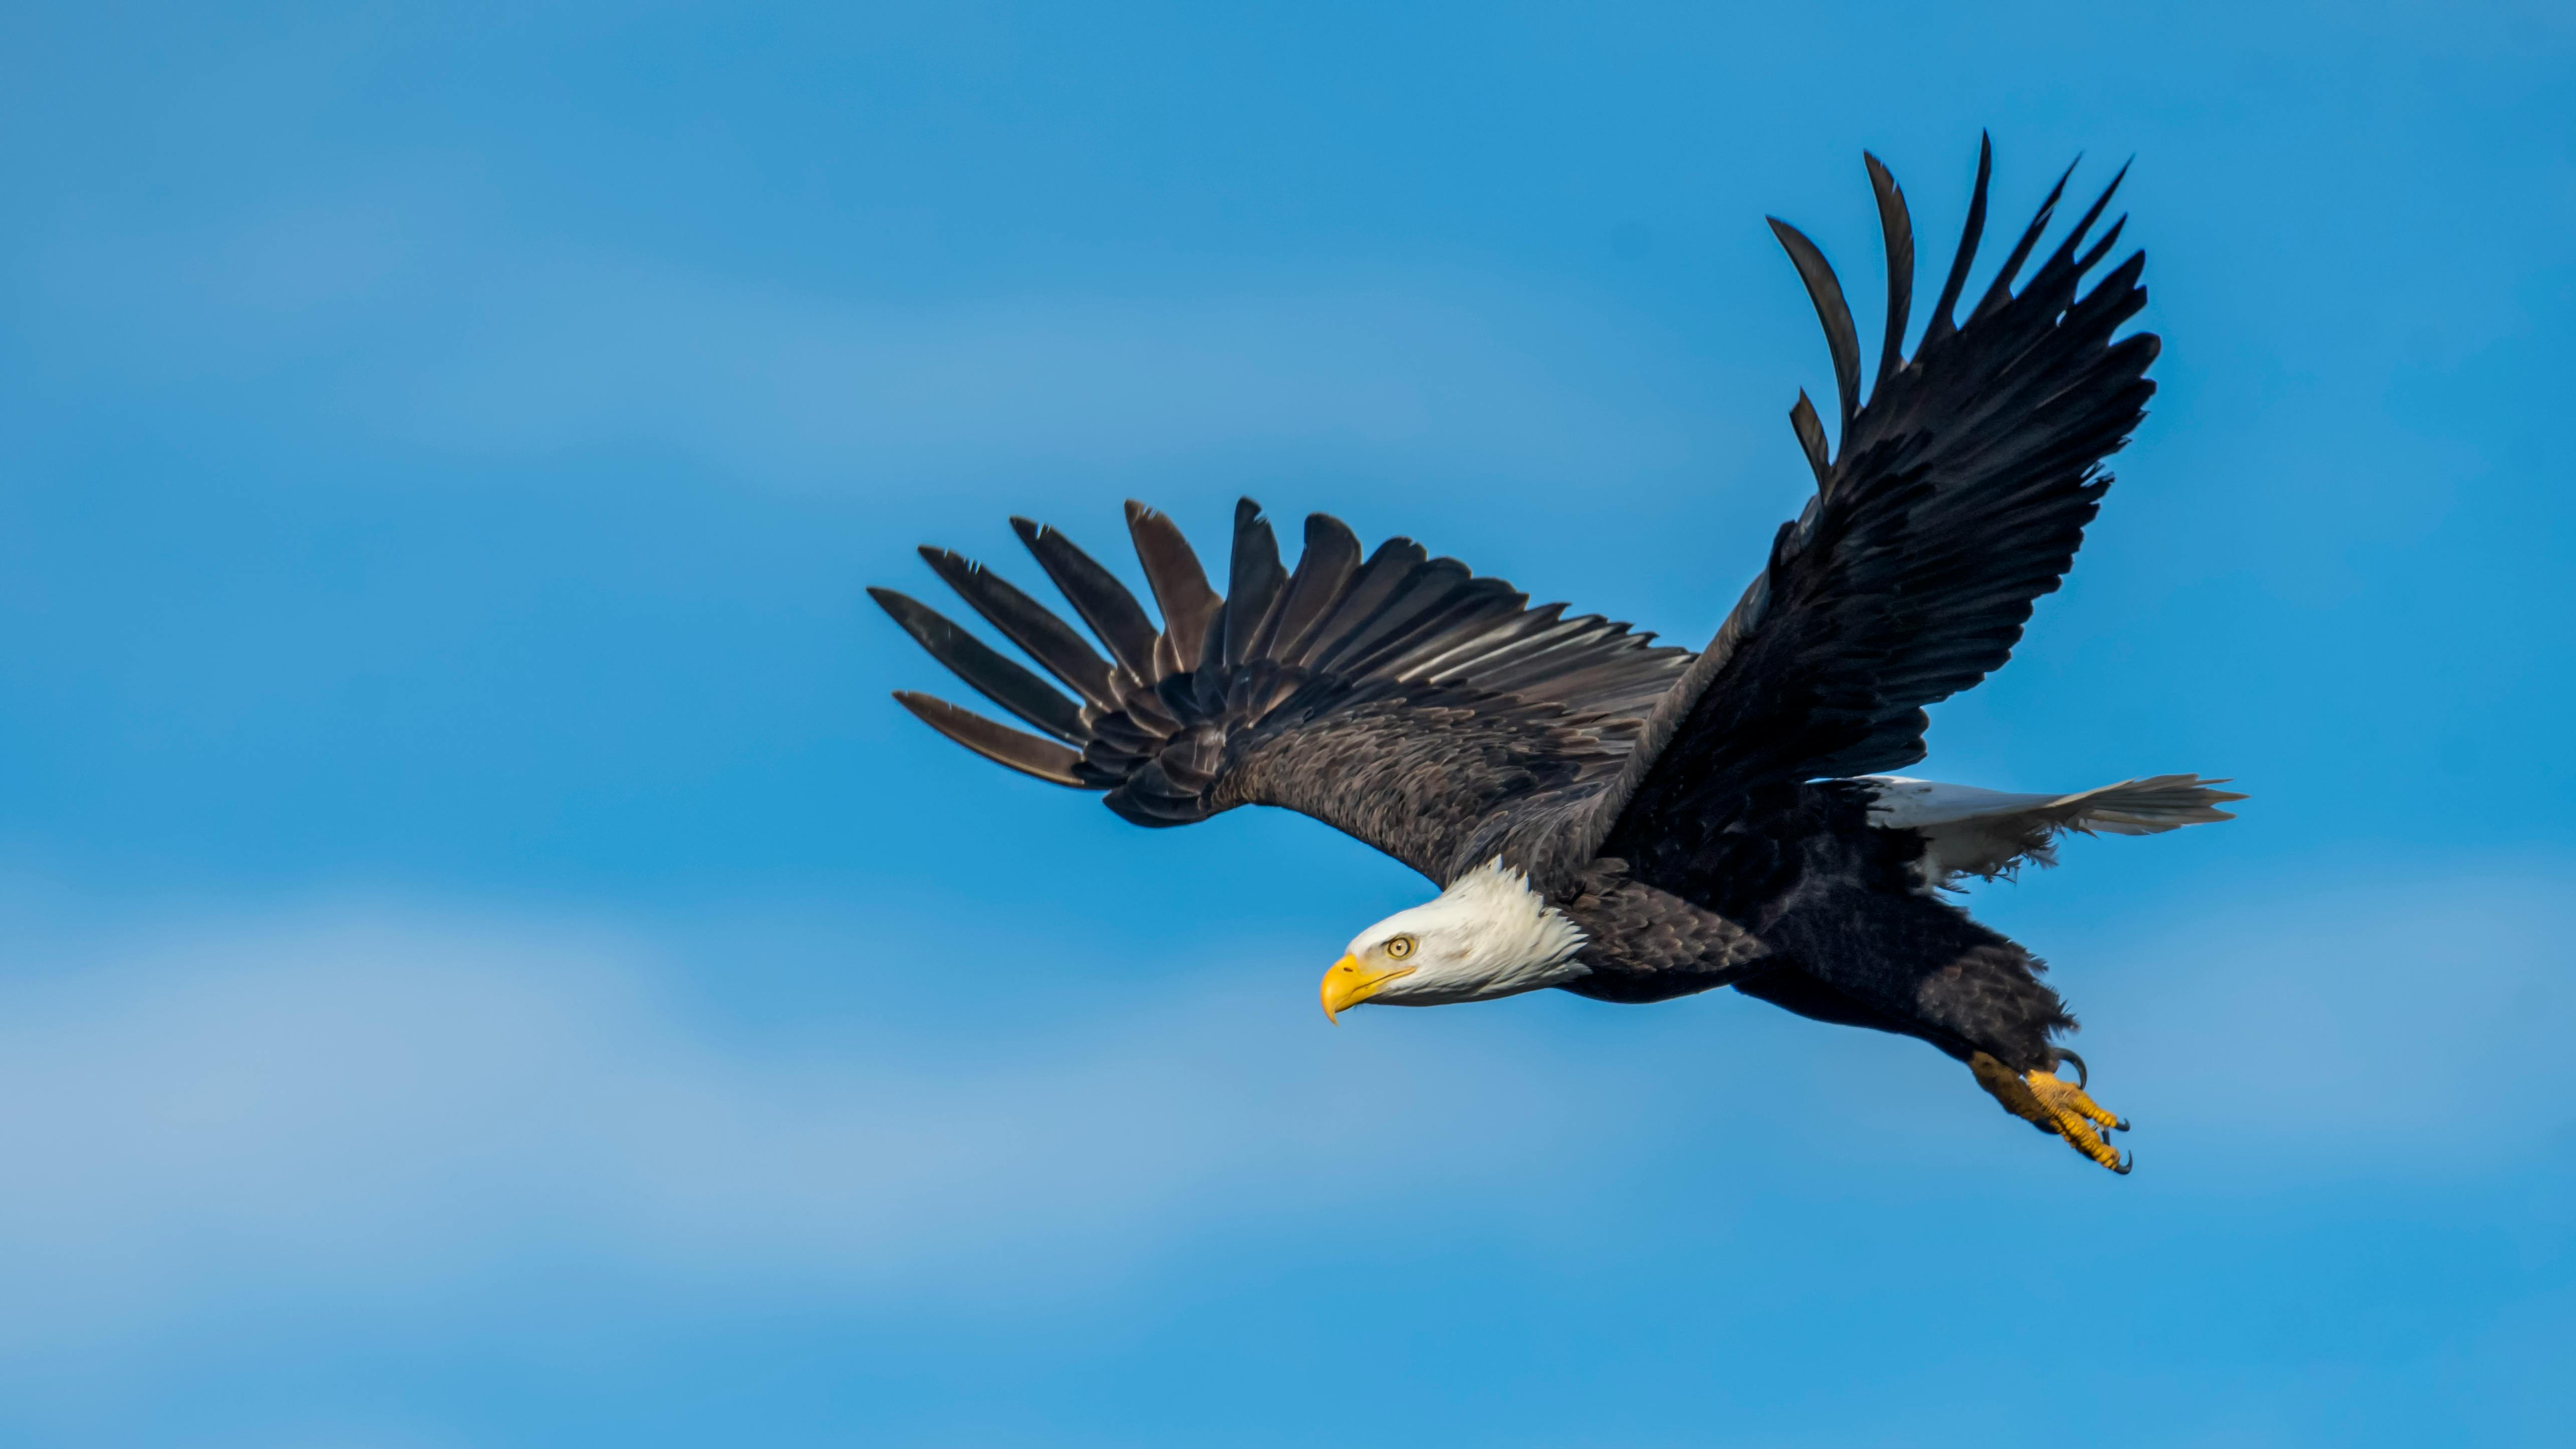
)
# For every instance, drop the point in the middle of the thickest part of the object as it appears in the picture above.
(1487, 935)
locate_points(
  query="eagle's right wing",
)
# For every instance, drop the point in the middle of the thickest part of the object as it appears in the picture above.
(1960, 495)
(1398, 698)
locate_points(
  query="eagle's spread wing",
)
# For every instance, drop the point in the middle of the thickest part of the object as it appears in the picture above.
(1398, 697)
(1960, 496)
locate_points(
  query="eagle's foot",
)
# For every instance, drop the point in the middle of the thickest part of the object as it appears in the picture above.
(2053, 1104)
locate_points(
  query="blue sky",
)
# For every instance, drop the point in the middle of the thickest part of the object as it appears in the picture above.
(483, 963)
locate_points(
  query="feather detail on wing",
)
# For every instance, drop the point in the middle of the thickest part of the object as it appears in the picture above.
(1960, 494)
(1398, 697)
(1990, 833)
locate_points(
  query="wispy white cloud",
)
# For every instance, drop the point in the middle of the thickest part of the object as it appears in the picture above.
(2415, 1022)
(1457, 373)
(366, 1105)
(414, 312)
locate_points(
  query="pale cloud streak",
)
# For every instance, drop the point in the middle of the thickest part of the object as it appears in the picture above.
(362, 1103)
(417, 316)
(371, 1104)
(1452, 373)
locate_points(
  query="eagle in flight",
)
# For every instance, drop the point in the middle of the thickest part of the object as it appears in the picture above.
(1631, 822)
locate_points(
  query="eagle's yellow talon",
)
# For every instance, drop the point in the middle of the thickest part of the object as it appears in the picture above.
(2055, 1105)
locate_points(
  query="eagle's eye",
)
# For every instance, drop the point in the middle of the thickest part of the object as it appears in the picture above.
(1399, 948)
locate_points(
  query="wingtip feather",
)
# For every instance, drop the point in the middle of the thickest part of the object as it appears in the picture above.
(999, 743)
(1825, 291)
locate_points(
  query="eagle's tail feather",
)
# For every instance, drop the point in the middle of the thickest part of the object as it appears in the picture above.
(1993, 833)
(2147, 807)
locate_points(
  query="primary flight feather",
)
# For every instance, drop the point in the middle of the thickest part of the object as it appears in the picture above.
(1633, 822)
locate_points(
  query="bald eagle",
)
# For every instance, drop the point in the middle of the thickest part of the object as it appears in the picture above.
(1631, 822)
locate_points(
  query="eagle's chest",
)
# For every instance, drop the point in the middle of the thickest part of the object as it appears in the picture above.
(1643, 943)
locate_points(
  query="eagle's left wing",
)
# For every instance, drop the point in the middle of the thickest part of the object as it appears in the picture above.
(1399, 698)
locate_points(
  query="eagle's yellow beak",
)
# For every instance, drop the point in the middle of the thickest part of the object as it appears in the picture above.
(1349, 983)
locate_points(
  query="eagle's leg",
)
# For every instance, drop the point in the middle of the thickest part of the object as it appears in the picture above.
(1906, 963)
(2053, 1104)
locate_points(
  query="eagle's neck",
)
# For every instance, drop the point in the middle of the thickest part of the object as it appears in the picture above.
(1518, 941)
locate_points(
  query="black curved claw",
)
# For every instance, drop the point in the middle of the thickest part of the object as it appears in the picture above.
(2120, 1126)
(2083, 1078)
(2124, 1164)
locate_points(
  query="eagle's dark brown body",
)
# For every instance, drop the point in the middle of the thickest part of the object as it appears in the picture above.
(1694, 815)
(1822, 915)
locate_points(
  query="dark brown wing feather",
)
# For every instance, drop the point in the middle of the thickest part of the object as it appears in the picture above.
(1429, 712)
(1023, 752)
(1961, 494)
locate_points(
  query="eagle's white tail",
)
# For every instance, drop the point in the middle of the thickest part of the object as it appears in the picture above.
(2147, 807)
(1968, 831)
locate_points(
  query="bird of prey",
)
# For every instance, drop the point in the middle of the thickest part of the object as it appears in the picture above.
(1631, 822)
